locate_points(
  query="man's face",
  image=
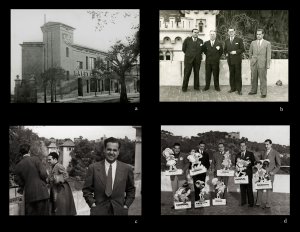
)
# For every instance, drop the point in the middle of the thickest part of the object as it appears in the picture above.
(195, 33)
(212, 35)
(51, 161)
(112, 152)
(268, 145)
(243, 147)
(201, 147)
(176, 150)
(231, 32)
(221, 147)
(259, 35)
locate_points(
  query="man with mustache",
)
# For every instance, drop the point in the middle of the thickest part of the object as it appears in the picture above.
(109, 185)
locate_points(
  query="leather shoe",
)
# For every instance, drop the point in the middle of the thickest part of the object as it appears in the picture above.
(250, 93)
(230, 91)
(218, 89)
(205, 89)
(239, 93)
(251, 205)
(263, 96)
(172, 207)
(184, 90)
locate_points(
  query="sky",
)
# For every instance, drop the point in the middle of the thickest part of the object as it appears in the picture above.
(88, 132)
(278, 134)
(26, 27)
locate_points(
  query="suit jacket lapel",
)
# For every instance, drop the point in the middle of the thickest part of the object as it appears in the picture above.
(101, 171)
(118, 176)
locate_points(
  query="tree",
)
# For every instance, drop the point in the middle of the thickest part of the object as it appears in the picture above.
(123, 54)
(52, 76)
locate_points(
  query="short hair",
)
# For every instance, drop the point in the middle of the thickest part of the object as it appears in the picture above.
(24, 148)
(266, 164)
(231, 28)
(258, 162)
(268, 140)
(112, 140)
(213, 31)
(176, 144)
(195, 29)
(262, 30)
(202, 142)
(220, 143)
(243, 141)
(54, 155)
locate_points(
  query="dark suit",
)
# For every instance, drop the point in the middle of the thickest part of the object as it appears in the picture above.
(212, 62)
(235, 62)
(192, 60)
(246, 189)
(182, 163)
(205, 161)
(31, 176)
(94, 189)
(217, 165)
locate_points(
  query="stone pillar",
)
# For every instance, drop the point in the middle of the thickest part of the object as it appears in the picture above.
(138, 150)
(17, 88)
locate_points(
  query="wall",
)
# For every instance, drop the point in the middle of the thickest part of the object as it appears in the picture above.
(32, 60)
(171, 73)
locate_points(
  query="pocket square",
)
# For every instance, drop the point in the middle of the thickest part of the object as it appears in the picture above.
(236, 43)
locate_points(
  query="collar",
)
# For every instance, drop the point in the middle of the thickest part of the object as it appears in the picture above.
(26, 155)
(107, 163)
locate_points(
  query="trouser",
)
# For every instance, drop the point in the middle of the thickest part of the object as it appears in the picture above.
(260, 195)
(235, 76)
(37, 207)
(247, 193)
(201, 177)
(176, 183)
(260, 73)
(195, 65)
(212, 68)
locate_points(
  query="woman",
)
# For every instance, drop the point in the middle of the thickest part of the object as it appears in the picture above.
(61, 197)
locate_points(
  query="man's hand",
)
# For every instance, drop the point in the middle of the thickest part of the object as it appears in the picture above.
(125, 207)
(93, 205)
(271, 173)
(233, 52)
(268, 67)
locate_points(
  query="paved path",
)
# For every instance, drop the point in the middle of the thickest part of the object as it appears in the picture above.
(174, 93)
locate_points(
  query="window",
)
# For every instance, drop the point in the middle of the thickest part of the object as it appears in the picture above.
(107, 65)
(79, 65)
(168, 55)
(86, 63)
(182, 24)
(161, 55)
(67, 52)
(200, 27)
(68, 75)
(92, 62)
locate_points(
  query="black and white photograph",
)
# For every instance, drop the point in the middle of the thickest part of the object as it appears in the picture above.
(75, 56)
(225, 170)
(75, 170)
(223, 56)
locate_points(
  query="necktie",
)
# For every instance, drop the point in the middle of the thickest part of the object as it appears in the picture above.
(258, 43)
(194, 39)
(212, 43)
(108, 187)
(243, 154)
(231, 39)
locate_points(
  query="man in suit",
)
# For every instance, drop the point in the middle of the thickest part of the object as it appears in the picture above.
(274, 166)
(260, 59)
(192, 48)
(233, 49)
(31, 176)
(213, 50)
(205, 162)
(246, 189)
(182, 163)
(218, 158)
(109, 185)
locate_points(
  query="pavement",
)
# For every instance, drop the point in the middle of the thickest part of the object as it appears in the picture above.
(175, 94)
(280, 203)
(99, 98)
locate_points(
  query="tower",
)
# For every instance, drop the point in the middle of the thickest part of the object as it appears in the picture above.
(58, 41)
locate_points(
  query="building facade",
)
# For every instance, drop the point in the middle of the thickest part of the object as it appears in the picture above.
(175, 26)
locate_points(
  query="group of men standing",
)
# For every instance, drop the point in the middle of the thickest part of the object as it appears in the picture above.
(259, 55)
(246, 190)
